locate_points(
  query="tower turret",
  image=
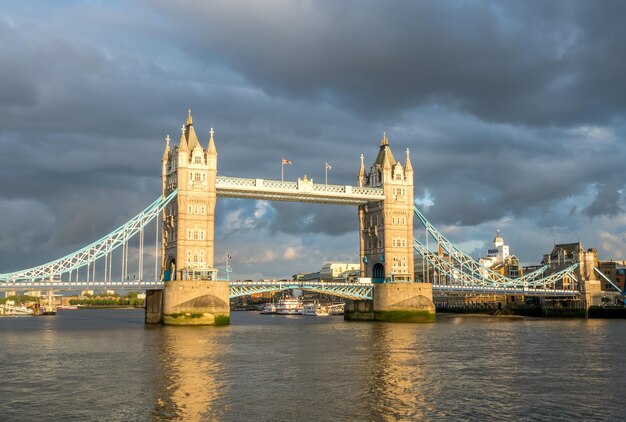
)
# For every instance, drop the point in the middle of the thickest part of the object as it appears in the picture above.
(166, 152)
(192, 138)
(408, 168)
(182, 145)
(361, 173)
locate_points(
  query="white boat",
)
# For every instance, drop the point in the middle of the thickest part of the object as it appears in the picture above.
(269, 308)
(289, 306)
(315, 309)
(322, 311)
(10, 309)
(336, 308)
(67, 307)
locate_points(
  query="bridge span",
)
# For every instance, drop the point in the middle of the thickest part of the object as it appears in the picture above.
(355, 291)
(185, 274)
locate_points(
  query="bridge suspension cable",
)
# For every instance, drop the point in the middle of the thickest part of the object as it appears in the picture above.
(96, 250)
(459, 270)
(456, 277)
(466, 263)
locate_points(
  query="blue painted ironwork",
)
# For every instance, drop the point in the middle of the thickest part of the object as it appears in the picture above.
(237, 288)
(460, 281)
(466, 263)
(93, 251)
(345, 290)
(80, 285)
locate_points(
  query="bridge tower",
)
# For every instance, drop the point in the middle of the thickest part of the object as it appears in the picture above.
(386, 245)
(188, 222)
(192, 294)
(386, 227)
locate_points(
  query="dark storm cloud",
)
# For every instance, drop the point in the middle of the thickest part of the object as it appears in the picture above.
(607, 200)
(332, 220)
(532, 62)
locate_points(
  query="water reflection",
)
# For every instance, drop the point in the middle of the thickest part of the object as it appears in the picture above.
(188, 380)
(400, 383)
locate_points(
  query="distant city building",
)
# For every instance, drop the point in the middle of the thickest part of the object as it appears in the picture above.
(499, 259)
(614, 271)
(497, 254)
(86, 293)
(338, 270)
(311, 276)
(565, 254)
(425, 272)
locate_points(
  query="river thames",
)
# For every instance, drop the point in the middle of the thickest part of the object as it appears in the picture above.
(107, 365)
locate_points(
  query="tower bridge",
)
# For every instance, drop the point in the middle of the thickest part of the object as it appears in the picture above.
(188, 290)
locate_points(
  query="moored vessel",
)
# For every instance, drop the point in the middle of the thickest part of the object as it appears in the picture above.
(9, 309)
(268, 308)
(67, 307)
(289, 306)
(315, 309)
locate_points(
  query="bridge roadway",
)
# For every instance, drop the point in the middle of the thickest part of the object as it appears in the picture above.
(522, 291)
(237, 288)
(243, 288)
(303, 190)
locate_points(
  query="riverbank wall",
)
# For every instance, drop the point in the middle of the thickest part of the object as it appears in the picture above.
(544, 310)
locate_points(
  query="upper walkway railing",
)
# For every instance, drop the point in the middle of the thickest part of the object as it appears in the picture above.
(303, 190)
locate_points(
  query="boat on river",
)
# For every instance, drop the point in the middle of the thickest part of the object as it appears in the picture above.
(10, 309)
(268, 308)
(336, 308)
(289, 306)
(67, 307)
(315, 309)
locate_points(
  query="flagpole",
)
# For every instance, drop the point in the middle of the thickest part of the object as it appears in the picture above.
(282, 170)
(326, 173)
(227, 273)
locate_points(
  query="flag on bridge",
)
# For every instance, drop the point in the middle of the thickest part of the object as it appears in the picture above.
(328, 167)
(282, 169)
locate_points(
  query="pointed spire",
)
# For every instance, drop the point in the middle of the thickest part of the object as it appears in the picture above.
(191, 137)
(211, 149)
(384, 141)
(361, 174)
(183, 142)
(385, 154)
(407, 166)
(166, 153)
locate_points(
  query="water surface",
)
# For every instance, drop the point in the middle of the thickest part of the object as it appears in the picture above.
(107, 365)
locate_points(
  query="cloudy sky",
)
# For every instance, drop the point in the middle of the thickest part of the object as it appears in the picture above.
(515, 113)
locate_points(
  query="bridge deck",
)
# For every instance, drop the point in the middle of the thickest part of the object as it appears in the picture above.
(300, 191)
(243, 288)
